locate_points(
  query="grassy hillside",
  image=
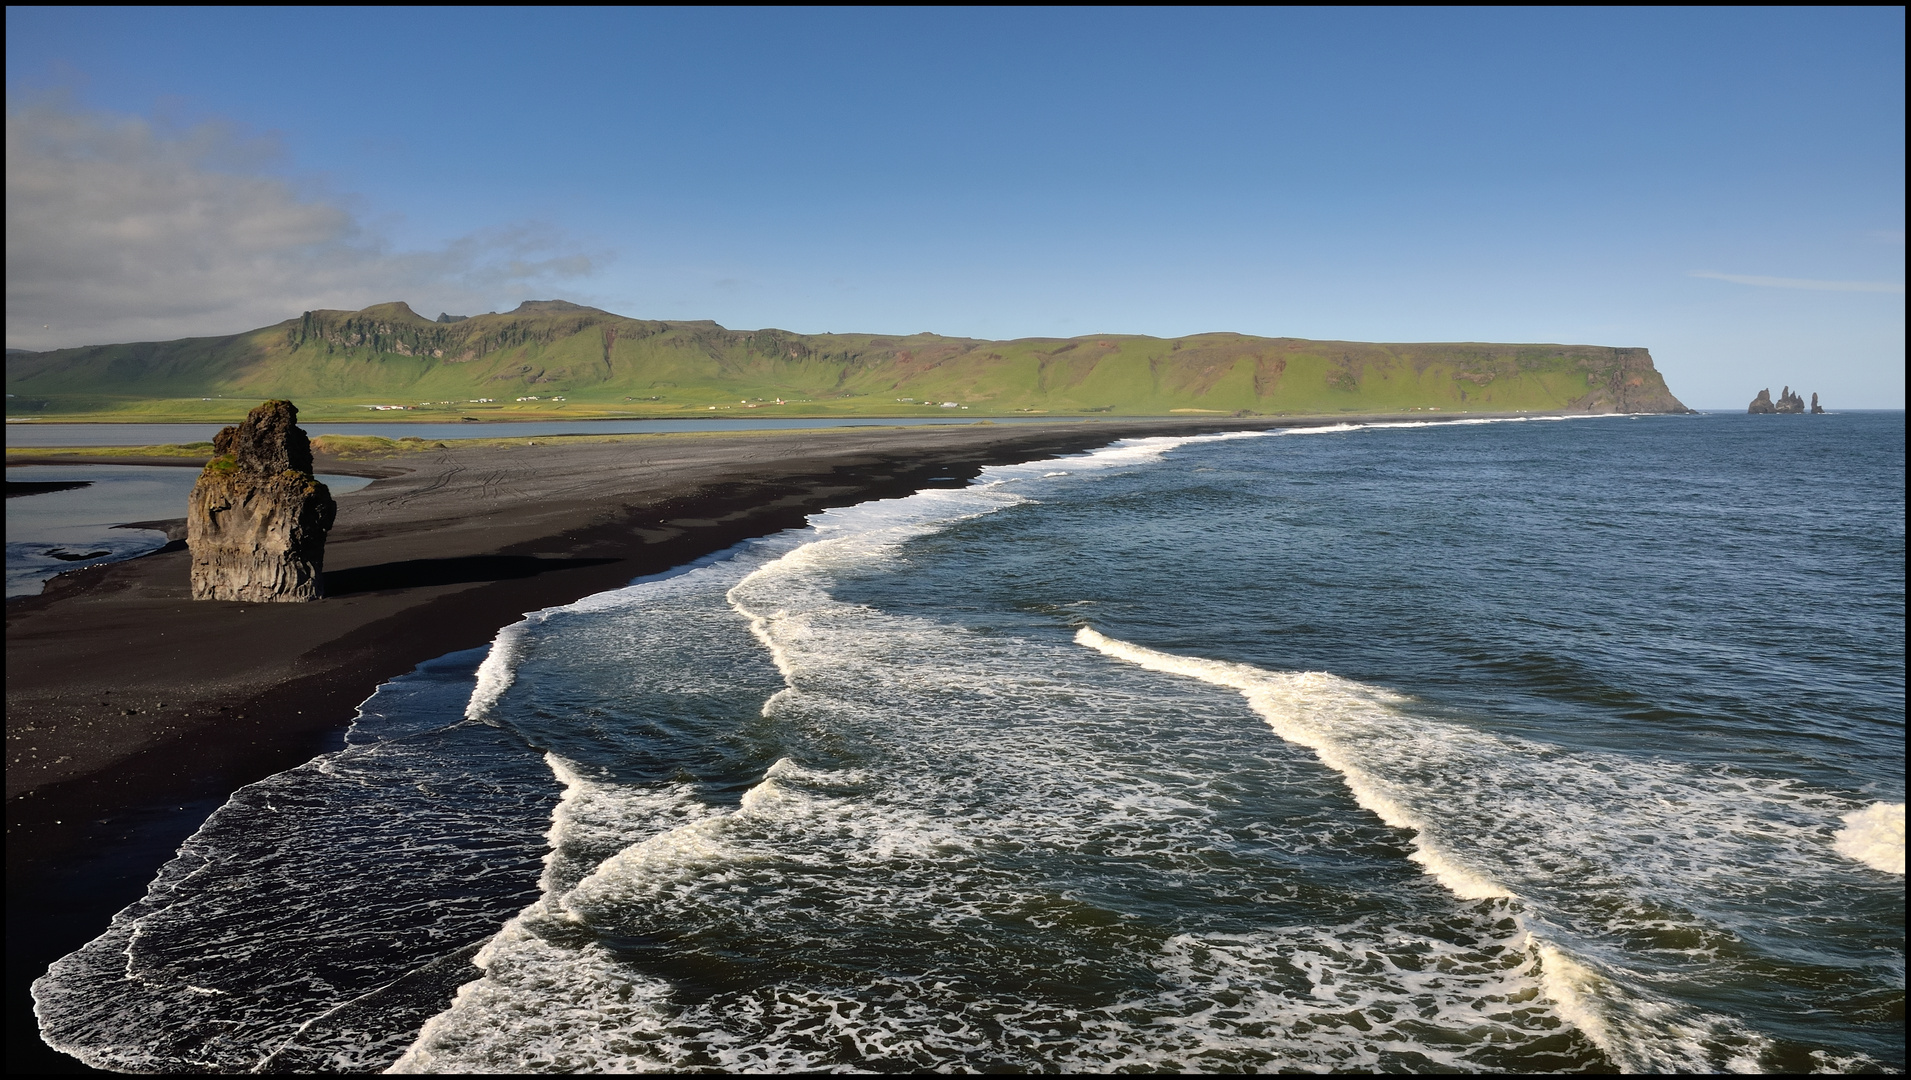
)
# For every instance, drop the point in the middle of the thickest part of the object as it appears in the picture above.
(554, 358)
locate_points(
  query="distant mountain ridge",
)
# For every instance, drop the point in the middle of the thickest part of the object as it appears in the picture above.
(593, 359)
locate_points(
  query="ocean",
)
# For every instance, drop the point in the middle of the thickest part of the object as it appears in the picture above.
(1569, 745)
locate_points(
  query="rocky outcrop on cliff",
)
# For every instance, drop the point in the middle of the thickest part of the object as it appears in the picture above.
(257, 518)
(395, 329)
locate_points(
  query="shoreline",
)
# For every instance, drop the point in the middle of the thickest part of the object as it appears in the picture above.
(134, 712)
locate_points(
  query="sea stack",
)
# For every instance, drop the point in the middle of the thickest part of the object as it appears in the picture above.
(257, 519)
(1763, 403)
(1816, 409)
(1791, 404)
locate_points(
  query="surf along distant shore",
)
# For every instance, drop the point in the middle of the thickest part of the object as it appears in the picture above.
(133, 712)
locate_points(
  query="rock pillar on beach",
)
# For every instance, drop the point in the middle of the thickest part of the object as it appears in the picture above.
(257, 520)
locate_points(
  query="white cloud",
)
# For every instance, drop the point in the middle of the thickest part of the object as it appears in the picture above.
(1803, 283)
(120, 231)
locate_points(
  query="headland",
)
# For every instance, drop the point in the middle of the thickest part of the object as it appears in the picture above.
(550, 359)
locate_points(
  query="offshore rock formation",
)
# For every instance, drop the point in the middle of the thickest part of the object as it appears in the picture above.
(1817, 409)
(257, 519)
(1788, 403)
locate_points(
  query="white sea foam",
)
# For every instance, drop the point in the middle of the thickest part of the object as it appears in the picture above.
(253, 945)
(593, 820)
(1596, 847)
(983, 750)
(983, 746)
(500, 665)
(1574, 992)
(1642, 1033)
(543, 1007)
(933, 780)
(1324, 429)
(1874, 836)
(1678, 829)
(1306, 709)
(498, 670)
(1322, 985)
(1382, 425)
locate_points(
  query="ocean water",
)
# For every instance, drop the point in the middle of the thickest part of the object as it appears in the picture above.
(1488, 746)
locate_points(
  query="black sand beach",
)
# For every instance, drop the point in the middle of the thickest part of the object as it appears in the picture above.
(133, 712)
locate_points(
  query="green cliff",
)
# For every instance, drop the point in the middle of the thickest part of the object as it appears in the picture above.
(552, 357)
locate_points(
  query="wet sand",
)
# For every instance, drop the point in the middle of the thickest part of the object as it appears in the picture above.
(133, 712)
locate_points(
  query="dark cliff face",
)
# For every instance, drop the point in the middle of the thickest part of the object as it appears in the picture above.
(257, 518)
(1633, 385)
(396, 330)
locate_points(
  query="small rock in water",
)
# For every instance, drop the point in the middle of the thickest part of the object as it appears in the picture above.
(1763, 402)
(257, 519)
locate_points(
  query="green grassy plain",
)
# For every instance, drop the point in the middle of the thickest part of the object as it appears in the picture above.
(550, 359)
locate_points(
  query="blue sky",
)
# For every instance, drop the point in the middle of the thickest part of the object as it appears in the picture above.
(1407, 175)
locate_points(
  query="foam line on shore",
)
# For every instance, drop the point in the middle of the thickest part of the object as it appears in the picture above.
(499, 669)
(1375, 425)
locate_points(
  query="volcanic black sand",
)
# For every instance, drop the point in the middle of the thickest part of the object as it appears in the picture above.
(133, 711)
